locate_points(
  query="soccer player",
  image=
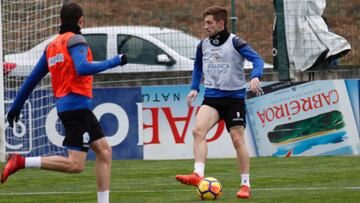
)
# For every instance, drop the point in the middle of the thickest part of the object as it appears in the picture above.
(68, 59)
(220, 58)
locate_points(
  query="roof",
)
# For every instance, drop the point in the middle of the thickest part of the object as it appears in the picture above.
(128, 30)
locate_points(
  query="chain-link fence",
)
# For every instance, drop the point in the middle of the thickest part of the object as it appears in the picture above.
(159, 37)
(255, 19)
(26, 23)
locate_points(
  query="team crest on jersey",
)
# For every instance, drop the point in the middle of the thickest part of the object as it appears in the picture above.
(214, 61)
(214, 57)
(58, 58)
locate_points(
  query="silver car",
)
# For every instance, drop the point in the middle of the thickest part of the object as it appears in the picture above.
(149, 49)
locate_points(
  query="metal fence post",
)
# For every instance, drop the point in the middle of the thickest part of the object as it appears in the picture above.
(233, 17)
(280, 55)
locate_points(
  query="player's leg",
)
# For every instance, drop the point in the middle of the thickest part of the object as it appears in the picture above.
(78, 134)
(103, 153)
(243, 158)
(242, 154)
(102, 149)
(235, 123)
(206, 118)
(74, 163)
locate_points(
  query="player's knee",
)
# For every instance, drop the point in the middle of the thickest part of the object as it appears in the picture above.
(76, 167)
(105, 154)
(238, 142)
(108, 153)
(197, 133)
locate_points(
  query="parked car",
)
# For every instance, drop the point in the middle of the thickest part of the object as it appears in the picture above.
(149, 49)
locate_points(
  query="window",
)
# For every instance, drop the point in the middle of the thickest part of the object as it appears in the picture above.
(183, 43)
(97, 44)
(137, 50)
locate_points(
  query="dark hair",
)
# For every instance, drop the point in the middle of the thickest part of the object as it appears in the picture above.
(219, 13)
(70, 13)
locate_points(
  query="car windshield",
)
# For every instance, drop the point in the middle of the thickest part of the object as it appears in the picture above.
(182, 43)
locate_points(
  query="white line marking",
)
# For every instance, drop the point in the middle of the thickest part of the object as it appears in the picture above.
(152, 191)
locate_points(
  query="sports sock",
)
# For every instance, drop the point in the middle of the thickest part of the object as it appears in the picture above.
(199, 168)
(33, 162)
(245, 179)
(103, 197)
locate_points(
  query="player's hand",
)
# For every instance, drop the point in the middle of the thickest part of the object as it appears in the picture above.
(191, 97)
(255, 85)
(12, 116)
(123, 59)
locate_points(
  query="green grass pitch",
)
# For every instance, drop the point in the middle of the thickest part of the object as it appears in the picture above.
(302, 179)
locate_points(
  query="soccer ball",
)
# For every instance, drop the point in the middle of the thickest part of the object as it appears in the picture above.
(209, 189)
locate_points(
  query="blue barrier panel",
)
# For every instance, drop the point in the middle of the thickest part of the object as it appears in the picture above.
(118, 112)
(39, 131)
